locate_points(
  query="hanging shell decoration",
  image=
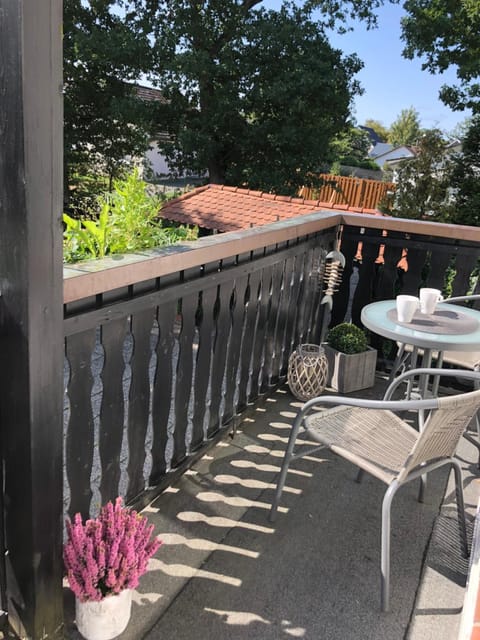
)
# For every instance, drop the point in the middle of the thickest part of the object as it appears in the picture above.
(333, 271)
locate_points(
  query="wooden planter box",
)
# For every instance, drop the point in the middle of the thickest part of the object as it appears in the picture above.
(347, 372)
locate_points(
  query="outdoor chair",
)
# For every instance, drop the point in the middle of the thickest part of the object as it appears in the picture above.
(407, 356)
(371, 435)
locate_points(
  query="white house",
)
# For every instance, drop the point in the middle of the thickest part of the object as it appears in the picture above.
(383, 152)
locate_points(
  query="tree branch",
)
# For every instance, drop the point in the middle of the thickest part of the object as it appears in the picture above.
(249, 4)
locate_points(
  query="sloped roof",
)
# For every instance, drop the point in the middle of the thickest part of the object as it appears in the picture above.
(224, 208)
(372, 134)
(407, 151)
(379, 149)
(149, 94)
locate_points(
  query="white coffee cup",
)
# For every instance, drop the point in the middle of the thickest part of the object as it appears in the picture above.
(406, 307)
(429, 299)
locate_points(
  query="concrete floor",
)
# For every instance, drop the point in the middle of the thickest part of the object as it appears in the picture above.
(225, 572)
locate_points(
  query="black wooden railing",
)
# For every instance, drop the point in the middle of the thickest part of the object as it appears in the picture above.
(154, 376)
(401, 262)
(158, 369)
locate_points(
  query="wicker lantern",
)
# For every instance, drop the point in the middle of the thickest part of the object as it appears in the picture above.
(307, 371)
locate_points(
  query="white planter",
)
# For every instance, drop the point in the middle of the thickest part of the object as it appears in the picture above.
(104, 619)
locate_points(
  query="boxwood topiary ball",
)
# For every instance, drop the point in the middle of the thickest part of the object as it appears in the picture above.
(347, 338)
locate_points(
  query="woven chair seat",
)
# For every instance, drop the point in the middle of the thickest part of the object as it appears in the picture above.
(377, 441)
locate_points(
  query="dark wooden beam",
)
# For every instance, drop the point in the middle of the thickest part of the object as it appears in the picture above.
(31, 345)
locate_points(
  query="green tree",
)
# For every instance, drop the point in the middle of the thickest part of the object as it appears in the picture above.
(380, 129)
(464, 178)
(351, 143)
(254, 96)
(104, 53)
(423, 182)
(338, 15)
(446, 33)
(406, 129)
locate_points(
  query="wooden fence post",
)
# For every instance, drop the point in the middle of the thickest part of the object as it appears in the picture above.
(31, 325)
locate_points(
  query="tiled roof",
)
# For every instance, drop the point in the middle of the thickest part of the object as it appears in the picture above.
(231, 208)
(149, 94)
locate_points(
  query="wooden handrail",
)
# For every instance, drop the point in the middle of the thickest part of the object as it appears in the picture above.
(93, 277)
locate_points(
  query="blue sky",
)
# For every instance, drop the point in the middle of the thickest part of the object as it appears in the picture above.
(391, 82)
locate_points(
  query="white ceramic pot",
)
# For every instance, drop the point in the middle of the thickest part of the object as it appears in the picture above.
(106, 618)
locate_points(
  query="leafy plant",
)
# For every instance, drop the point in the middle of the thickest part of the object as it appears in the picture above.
(109, 553)
(127, 221)
(347, 338)
(86, 238)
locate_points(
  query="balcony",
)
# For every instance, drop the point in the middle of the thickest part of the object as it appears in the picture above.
(165, 353)
(183, 346)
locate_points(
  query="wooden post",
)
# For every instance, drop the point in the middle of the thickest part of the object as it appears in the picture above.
(31, 330)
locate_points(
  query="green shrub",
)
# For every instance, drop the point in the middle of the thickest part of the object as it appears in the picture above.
(127, 222)
(347, 338)
(351, 161)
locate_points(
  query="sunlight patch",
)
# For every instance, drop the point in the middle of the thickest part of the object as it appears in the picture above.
(296, 632)
(251, 484)
(256, 448)
(280, 425)
(202, 544)
(217, 521)
(240, 618)
(234, 501)
(184, 571)
(145, 598)
(248, 464)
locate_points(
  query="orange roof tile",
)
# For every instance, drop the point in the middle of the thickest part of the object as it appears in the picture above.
(225, 208)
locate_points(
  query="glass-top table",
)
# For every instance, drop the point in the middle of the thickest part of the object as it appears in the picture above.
(450, 328)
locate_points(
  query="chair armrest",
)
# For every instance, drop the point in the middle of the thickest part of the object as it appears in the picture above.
(390, 405)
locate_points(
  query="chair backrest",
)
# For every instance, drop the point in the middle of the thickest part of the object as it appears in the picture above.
(469, 298)
(466, 359)
(442, 431)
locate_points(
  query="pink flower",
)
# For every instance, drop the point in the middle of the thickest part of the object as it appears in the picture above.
(109, 553)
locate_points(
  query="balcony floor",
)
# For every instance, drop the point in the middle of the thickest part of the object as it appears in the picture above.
(225, 572)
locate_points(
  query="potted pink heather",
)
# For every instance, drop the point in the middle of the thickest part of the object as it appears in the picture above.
(104, 559)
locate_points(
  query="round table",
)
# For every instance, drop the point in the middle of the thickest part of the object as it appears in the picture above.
(380, 317)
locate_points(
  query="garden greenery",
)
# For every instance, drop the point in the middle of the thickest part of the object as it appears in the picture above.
(347, 338)
(127, 221)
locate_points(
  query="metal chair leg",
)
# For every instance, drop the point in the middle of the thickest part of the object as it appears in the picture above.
(285, 465)
(360, 475)
(460, 507)
(385, 553)
(399, 362)
(475, 440)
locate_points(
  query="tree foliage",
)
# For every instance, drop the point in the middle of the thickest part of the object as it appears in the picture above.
(446, 33)
(464, 178)
(338, 15)
(254, 96)
(380, 129)
(106, 48)
(406, 129)
(423, 182)
(351, 142)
